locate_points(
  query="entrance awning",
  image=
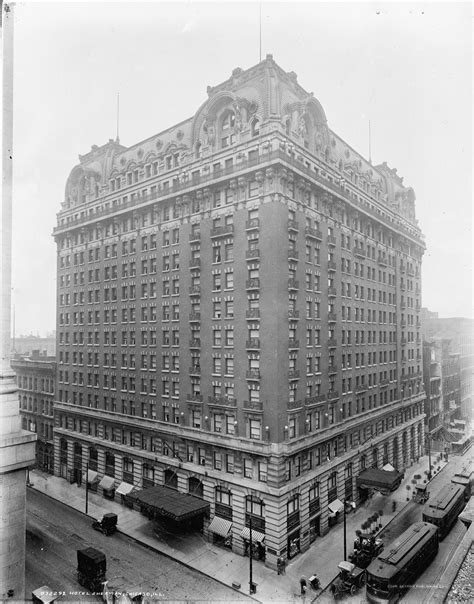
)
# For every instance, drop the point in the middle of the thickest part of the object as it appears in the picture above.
(91, 475)
(170, 503)
(124, 488)
(220, 526)
(107, 483)
(380, 480)
(256, 535)
(388, 468)
(335, 507)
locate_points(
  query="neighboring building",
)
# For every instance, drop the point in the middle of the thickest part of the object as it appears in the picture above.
(458, 332)
(25, 345)
(239, 314)
(35, 377)
(16, 445)
(434, 411)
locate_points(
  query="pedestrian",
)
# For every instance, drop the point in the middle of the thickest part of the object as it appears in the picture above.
(281, 566)
(303, 585)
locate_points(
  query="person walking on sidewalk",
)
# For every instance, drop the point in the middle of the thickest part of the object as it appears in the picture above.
(303, 585)
(281, 566)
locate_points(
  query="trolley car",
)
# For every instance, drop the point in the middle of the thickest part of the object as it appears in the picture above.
(444, 508)
(401, 562)
(465, 477)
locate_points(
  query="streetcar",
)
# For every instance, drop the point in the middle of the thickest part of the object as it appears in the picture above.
(396, 569)
(444, 508)
(465, 477)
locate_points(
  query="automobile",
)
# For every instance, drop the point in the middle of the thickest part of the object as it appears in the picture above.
(108, 524)
(350, 579)
(421, 494)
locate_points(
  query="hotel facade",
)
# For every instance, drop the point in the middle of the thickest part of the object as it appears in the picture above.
(238, 315)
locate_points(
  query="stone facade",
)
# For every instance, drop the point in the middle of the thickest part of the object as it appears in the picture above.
(35, 377)
(238, 313)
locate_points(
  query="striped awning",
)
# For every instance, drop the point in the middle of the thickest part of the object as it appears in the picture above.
(256, 535)
(107, 483)
(91, 476)
(124, 488)
(220, 526)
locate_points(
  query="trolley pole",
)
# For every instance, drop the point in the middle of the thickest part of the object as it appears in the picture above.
(87, 487)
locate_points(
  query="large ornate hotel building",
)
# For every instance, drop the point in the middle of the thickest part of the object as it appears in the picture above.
(238, 315)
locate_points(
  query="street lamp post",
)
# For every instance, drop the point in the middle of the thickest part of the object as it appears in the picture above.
(251, 587)
(352, 505)
(87, 487)
(429, 454)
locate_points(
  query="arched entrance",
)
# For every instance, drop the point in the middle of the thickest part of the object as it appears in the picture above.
(63, 458)
(76, 473)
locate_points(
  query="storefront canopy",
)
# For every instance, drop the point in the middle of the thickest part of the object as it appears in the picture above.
(335, 507)
(168, 502)
(256, 535)
(107, 483)
(124, 488)
(380, 480)
(91, 475)
(220, 526)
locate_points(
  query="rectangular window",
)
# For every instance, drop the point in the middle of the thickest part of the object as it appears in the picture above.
(248, 468)
(255, 429)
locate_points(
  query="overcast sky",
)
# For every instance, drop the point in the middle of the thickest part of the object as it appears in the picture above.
(405, 66)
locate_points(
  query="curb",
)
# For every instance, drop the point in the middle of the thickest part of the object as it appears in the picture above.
(150, 547)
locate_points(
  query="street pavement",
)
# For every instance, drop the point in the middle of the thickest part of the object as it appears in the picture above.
(54, 534)
(192, 550)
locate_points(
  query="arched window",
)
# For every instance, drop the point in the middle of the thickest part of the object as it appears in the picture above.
(197, 150)
(228, 121)
(255, 127)
(227, 129)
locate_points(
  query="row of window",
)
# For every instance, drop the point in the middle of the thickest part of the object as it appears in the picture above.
(35, 383)
(35, 405)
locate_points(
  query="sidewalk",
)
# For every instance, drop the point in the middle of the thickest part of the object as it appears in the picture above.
(225, 566)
